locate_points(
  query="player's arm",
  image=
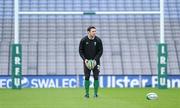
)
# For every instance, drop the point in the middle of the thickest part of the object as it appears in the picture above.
(100, 50)
(81, 50)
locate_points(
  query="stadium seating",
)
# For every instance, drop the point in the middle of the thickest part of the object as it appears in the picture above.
(50, 42)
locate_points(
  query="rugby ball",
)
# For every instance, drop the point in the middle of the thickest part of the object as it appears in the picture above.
(90, 64)
(151, 96)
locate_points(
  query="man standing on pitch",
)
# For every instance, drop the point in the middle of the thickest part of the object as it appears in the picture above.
(91, 49)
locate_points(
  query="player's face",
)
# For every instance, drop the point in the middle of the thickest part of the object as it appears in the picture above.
(92, 33)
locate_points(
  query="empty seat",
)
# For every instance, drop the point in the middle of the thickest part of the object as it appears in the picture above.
(50, 43)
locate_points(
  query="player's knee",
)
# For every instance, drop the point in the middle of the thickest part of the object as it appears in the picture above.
(95, 77)
(87, 77)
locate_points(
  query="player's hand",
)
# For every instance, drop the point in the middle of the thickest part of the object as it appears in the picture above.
(88, 63)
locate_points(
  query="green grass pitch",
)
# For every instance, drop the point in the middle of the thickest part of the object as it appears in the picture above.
(73, 98)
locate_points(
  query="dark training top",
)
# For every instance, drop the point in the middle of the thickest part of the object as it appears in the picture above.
(91, 49)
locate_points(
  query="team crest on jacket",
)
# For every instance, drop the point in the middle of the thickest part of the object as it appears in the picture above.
(94, 43)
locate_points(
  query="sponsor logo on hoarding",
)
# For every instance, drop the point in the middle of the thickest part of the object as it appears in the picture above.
(105, 81)
(24, 82)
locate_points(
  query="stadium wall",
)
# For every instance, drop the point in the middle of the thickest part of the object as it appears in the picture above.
(106, 81)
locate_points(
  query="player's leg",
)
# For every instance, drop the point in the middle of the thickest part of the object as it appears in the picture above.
(87, 82)
(96, 71)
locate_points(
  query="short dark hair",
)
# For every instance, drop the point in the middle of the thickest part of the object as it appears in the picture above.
(90, 27)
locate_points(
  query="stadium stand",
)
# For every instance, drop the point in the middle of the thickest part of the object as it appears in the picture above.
(50, 42)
